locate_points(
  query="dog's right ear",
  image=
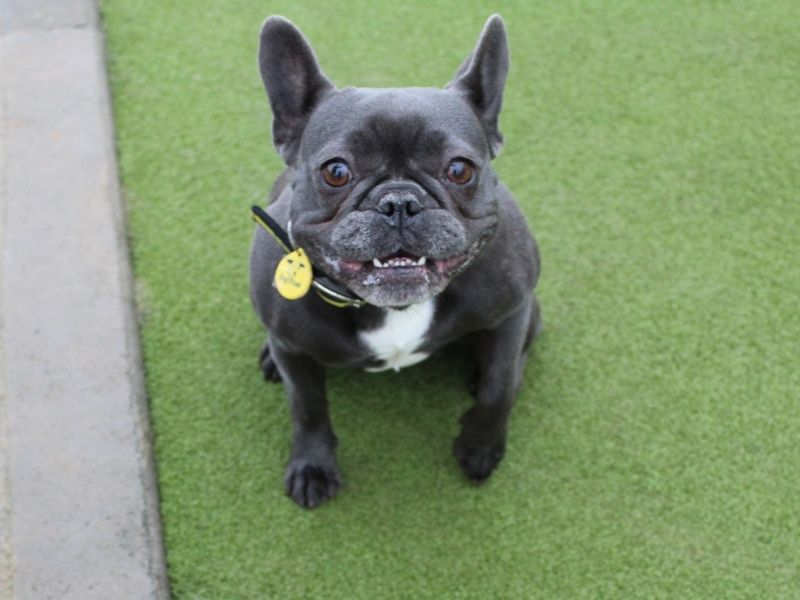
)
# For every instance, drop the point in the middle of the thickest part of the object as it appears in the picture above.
(294, 82)
(481, 78)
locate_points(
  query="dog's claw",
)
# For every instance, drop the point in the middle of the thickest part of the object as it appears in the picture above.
(310, 484)
(477, 461)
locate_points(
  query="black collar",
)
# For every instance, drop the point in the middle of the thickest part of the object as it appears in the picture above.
(332, 292)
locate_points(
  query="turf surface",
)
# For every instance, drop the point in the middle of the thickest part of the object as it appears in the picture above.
(654, 448)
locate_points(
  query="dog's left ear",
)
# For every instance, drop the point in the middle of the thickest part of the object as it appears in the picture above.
(294, 82)
(481, 78)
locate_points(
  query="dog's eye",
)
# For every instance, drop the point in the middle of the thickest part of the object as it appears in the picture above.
(336, 173)
(460, 171)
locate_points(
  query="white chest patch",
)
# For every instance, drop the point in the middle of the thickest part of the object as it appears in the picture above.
(402, 332)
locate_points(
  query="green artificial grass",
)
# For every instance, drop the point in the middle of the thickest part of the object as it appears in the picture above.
(653, 451)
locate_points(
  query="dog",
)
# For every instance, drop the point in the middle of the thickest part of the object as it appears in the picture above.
(391, 238)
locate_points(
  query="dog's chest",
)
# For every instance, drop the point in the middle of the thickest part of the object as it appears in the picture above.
(396, 341)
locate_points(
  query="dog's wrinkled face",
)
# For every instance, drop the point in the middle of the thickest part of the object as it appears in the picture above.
(393, 193)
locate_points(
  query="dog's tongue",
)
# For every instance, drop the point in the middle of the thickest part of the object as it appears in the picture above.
(352, 265)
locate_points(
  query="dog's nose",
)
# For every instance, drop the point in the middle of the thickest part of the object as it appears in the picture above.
(399, 204)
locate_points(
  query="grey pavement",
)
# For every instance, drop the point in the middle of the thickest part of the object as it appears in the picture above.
(78, 502)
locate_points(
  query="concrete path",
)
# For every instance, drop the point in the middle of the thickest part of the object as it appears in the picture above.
(78, 503)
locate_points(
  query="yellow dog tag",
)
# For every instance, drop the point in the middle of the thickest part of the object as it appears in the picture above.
(293, 275)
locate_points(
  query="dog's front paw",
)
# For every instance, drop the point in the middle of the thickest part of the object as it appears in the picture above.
(477, 459)
(310, 483)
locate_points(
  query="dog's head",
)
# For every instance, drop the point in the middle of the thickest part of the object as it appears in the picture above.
(393, 193)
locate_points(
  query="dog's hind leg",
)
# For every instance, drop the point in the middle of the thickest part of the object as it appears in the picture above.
(267, 364)
(535, 325)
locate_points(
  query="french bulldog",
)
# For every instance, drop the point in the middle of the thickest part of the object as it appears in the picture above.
(392, 196)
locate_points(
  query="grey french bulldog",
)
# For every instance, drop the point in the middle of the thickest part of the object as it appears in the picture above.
(392, 196)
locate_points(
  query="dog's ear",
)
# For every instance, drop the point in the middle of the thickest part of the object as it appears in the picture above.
(481, 78)
(294, 82)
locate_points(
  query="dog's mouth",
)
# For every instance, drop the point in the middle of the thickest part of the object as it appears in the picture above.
(402, 277)
(403, 262)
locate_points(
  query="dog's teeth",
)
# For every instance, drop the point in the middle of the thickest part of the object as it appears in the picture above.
(399, 261)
